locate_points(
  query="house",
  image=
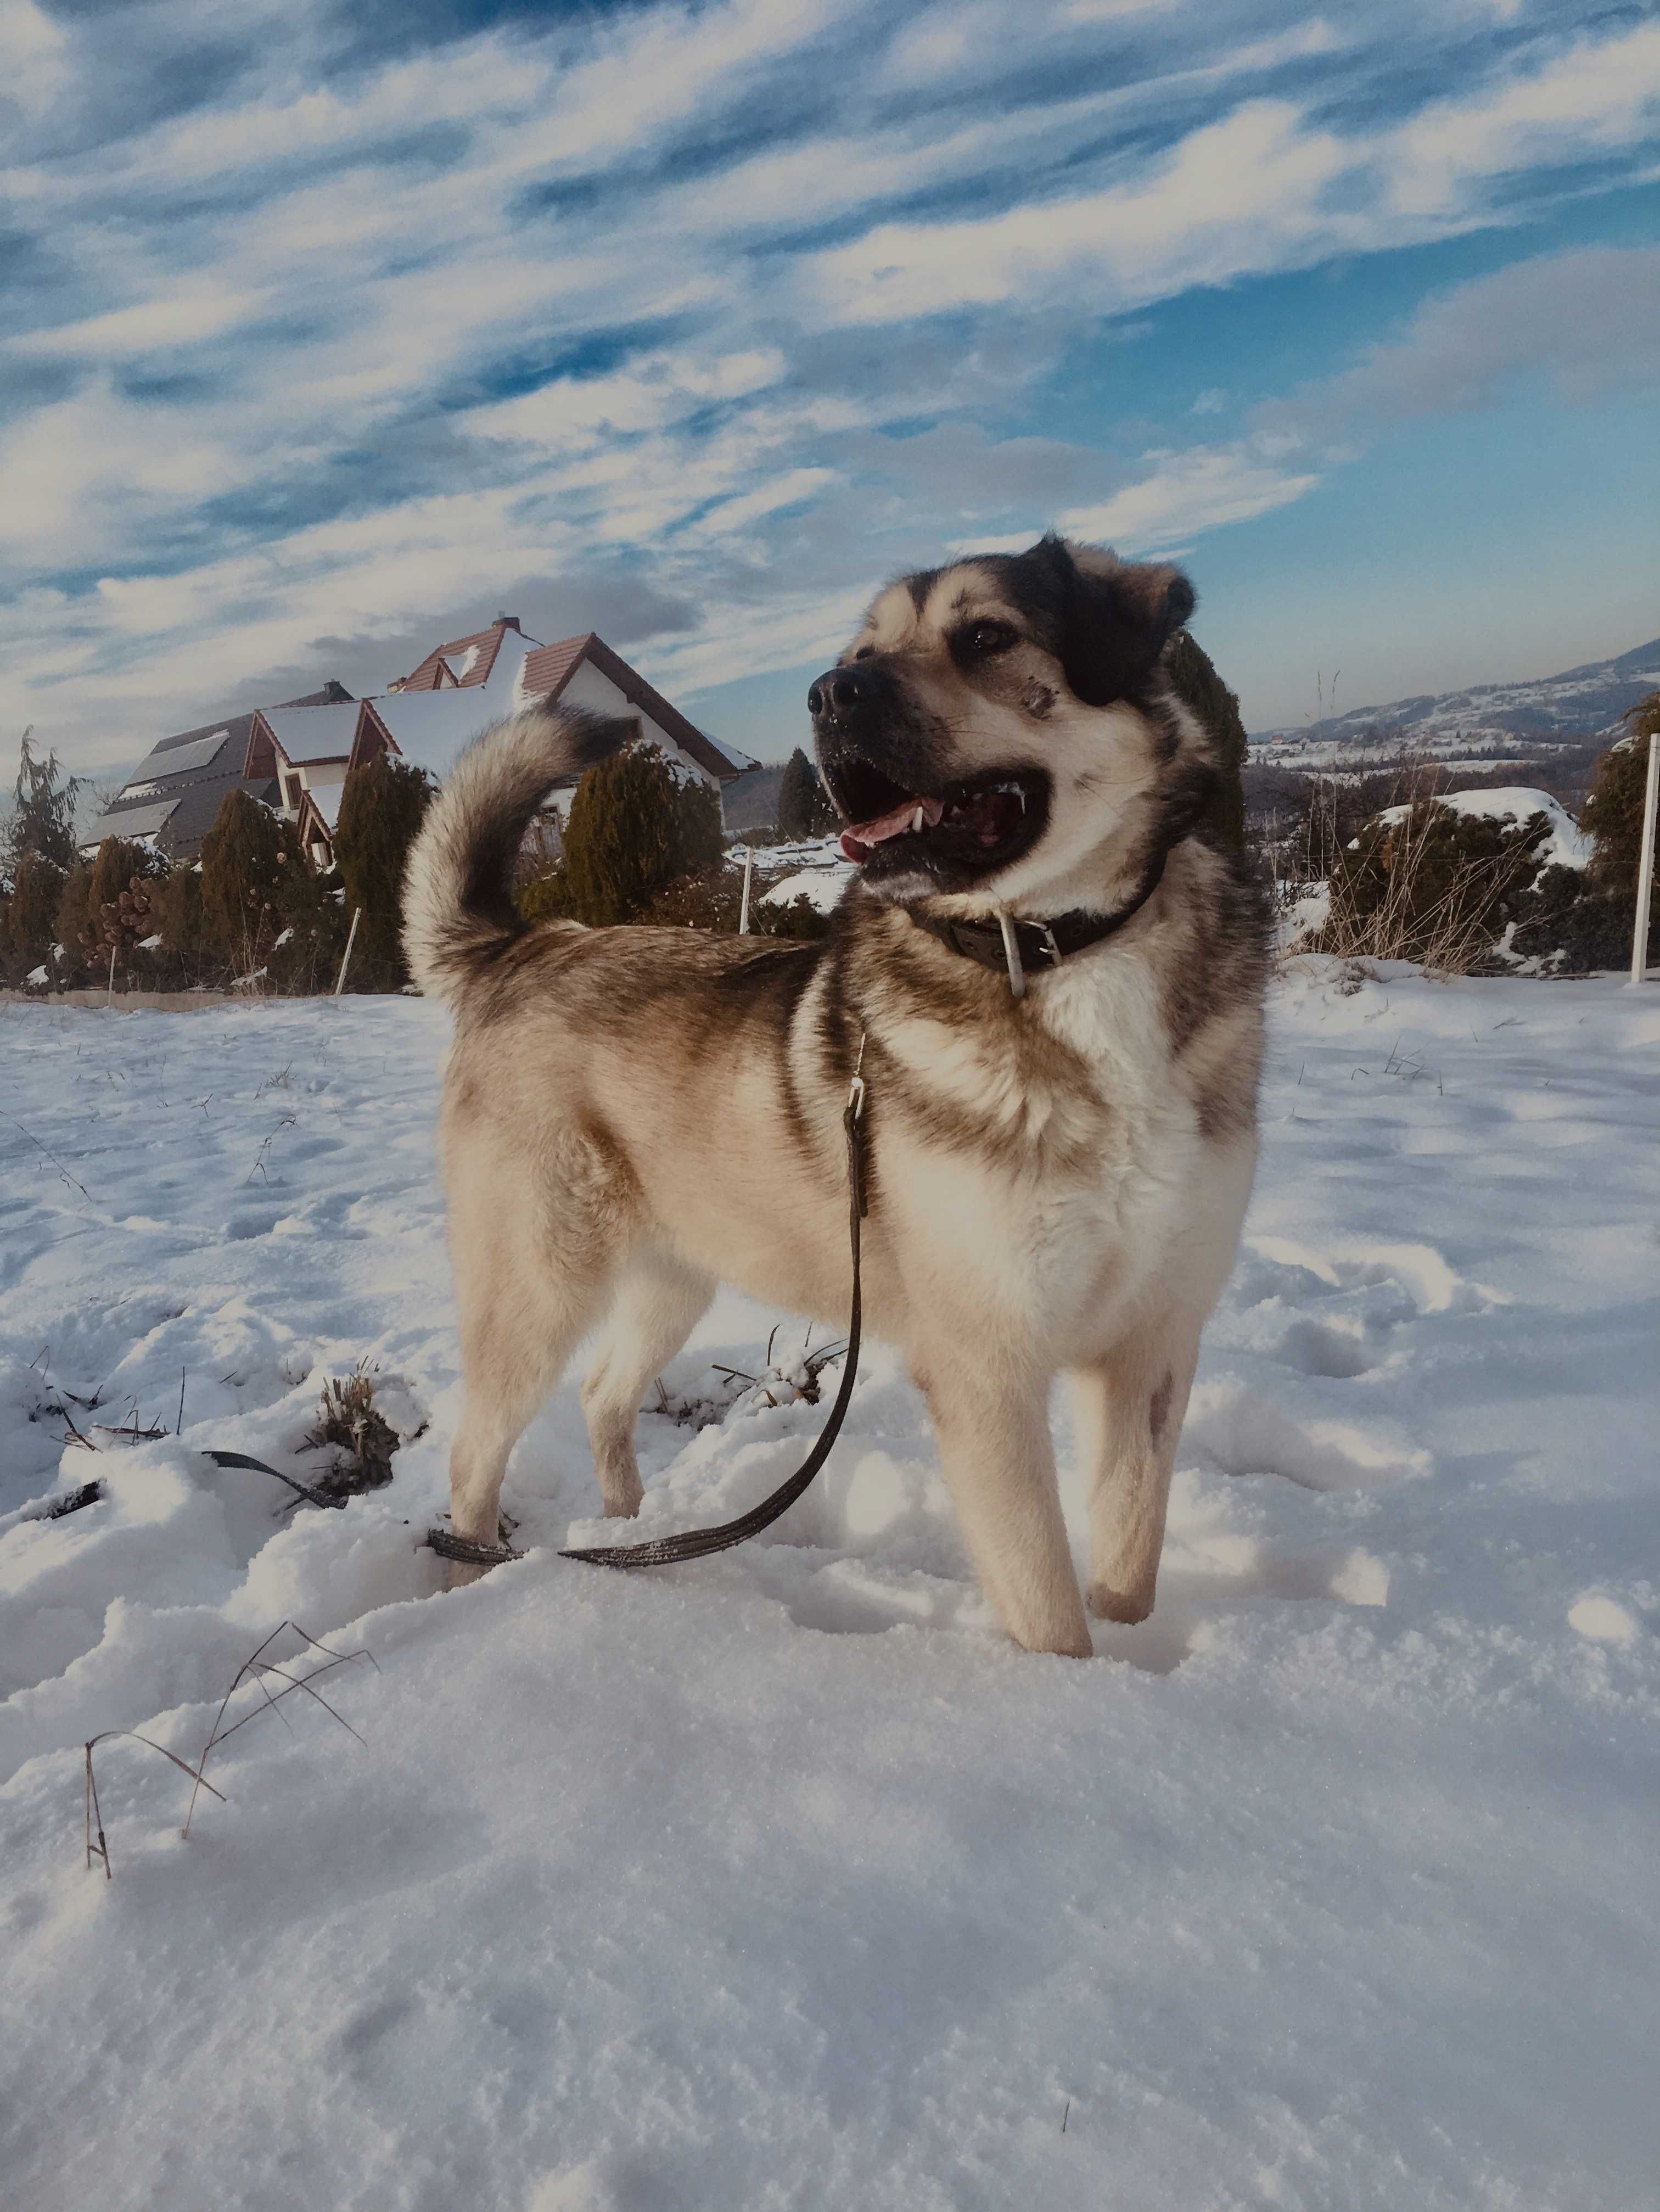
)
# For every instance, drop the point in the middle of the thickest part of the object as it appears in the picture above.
(172, 798)
(296, 758)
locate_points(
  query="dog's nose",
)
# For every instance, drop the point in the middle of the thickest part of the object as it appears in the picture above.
(835, 696)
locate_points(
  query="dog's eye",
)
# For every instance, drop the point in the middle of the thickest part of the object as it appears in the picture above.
(865, 652)
(983, 639)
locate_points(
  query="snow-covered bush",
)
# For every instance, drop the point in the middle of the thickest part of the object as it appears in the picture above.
(1429, 882)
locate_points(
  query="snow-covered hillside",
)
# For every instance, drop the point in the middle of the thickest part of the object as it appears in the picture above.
(1580, 703)
(782, 1879)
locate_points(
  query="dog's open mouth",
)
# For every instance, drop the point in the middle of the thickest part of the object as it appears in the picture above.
(964, 831)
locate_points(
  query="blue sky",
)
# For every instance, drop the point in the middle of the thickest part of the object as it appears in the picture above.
(331, 329)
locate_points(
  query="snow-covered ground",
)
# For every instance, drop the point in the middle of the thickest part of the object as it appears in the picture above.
(782, 1879)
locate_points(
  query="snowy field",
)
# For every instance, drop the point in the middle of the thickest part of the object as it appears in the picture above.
(782, 1879)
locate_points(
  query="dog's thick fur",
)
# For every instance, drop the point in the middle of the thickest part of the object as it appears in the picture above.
(1057, 1182)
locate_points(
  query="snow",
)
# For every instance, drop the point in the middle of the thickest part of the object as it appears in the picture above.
(327, 798)
(822, 886)
(431, 727)
(817, 868)
(1566, 846)
(309, 733)
(782, 1879)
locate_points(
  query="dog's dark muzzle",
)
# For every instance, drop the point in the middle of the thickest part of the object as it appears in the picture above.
(849, 699)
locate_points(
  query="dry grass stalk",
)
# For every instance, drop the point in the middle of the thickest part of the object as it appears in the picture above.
(1450, 935)
(252, 1671)
(364, 1440)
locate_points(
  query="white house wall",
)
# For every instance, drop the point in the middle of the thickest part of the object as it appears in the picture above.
(588, 687)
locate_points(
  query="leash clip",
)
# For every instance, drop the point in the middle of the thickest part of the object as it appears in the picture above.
(856, 1088)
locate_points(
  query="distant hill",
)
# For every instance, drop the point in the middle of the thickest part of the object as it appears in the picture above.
(1488, 719)
(750, 801)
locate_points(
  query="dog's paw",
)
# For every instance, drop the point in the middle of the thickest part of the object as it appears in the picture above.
(1125, 1607)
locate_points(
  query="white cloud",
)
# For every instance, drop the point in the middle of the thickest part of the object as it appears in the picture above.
(1597, 97)
(341, 259)
(1261, 190)
(1184, 494)
(1589, 320)
(34, 55)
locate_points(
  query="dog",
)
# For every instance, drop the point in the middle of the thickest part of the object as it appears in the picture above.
(1054, 969)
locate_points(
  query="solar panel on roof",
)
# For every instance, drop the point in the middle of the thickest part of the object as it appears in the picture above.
(132, 821)
(172, 760)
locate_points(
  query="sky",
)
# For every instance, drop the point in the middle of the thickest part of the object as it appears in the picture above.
(333, 327)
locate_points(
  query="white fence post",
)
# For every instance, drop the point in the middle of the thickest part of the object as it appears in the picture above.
(109, 996)
(743, 910)
(345, 962)
(1640, 936)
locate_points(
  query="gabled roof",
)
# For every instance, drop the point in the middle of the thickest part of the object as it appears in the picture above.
(308, 733)
(551, 668)
(464, 661)
(176, 790)
(430, 728)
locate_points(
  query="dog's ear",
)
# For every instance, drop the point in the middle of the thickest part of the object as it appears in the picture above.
(1114, 617)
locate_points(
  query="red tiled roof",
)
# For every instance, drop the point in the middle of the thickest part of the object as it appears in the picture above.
(551, 668)
(431, 675)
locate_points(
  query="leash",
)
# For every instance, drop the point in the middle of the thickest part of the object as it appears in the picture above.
(700, 1543)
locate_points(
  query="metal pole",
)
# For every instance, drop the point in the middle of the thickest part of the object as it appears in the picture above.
(1640, 936)
(340, 980)
(743, 910)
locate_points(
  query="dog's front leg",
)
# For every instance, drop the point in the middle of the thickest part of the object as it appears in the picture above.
(999, 1465)
(1130, 1408)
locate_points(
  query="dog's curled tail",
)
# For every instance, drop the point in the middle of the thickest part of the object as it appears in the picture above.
(457, 898)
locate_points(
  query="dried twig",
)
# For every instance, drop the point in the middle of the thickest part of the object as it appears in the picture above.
(53, 1157)
(251, 1668)
(287, 1121)
(93, 1814)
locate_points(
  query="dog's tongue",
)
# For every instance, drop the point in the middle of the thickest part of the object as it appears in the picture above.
(916, 813)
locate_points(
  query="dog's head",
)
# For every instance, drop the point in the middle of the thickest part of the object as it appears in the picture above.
(997, 722)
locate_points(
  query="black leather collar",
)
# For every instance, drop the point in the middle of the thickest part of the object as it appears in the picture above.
(1040, 946)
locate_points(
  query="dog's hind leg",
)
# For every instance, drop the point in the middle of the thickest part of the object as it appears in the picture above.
(658, 1303)
(1130, 1411)
(999, 1465)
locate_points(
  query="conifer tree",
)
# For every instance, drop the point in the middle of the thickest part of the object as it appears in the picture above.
(381, 809)
(638, 821)
(32, 911)
(247, 859)
(43, 810)
(803, 806)
(1613, 814)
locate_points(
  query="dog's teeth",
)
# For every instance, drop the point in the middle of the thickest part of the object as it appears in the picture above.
(917, 821)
